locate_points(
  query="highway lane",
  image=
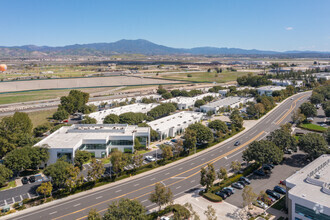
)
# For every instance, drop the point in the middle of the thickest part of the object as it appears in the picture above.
(180, 177)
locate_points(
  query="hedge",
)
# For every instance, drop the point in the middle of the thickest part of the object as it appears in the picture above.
(312, 127)
(212, 197)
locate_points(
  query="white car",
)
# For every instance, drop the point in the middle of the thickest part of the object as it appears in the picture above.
(150, 158)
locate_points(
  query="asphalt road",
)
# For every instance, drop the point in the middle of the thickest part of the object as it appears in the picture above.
(179, 177)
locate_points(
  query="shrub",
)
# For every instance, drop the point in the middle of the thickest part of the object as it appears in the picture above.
(212, 197)
(189, 75)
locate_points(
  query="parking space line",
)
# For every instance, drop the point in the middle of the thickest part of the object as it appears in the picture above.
(53, 213)
(137, 184)
(153, 179)
(29, 195)
(21, 197)
(144, 200)
(178, 187)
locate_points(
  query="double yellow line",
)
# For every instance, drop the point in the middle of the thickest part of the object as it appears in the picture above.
(198, 166)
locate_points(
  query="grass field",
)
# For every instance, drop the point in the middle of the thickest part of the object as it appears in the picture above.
(223, 77)
(313, 127)
(40, 117)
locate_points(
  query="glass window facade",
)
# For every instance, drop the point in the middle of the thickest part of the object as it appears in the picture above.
(67, 155)
(120, 142)
(310, 213)
(92, 147)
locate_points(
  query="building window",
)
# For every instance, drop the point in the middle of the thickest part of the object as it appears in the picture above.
(92, 147)
(310, 213)
(120, 142)
(67, 155)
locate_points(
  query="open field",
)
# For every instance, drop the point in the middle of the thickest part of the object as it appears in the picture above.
(223, 77)
(313, 127)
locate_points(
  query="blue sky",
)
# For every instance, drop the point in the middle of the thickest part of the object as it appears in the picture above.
(250, 24)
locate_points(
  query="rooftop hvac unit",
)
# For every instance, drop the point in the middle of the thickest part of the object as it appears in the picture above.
(317, 176)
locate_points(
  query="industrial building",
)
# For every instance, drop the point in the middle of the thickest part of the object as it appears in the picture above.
(137, 107)
(94, 138)
(268, 90)
(188, 102)
(278, 82)
(232, 102)
(175, 124)
(308, 191)
(325, 75)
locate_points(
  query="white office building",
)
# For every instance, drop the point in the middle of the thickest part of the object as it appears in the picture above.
(233, 102)
(278, 82)
(188, 102)
(95, 138)
(324, 75)
(136, 107)
(175, 124)
(308, 191)
(268, 90)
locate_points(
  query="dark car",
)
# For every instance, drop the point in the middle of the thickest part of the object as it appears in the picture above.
(242, 183)
(282, 182)
(237, 186)
(271, 165)
(244, 179)
(267, 167)
(32, 179)
(259, 173)
(237, 143)
(279, 190)
(227, 192)
(25, 180)
(222, 195)
(273, 194)
(230, 188)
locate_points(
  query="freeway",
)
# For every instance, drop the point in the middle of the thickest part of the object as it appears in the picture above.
(180, 177)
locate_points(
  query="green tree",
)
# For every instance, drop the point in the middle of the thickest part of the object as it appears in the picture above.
(61, 115)
(88, 120)
(203, 133)
(111, 119)
(97, 169)
(189, 139)
(167, 95)
(167, 152)
(137, 144)
(248, 196)
(222, 173)
(93, 215)
(207, 176)
(73, 179)
(218, 126)
(317, 98)
(5, 147)
(18, 160)
(81, 157)
(137, 159)
(199, 103)
(117, 160)
(260, 109)
(313, 144)
(161, 90)
(5, 174)
(37, 155)
(282, 139)
(161, 196)
(75, 101)
(210, 213)
(41, 129)
(235, 166)
(298, 117)
(236, 119)
(162, 110)
(193, 213)
(327, 112)
(263, 152)
(132, 118)
(59, 171)
(125, 209)
(45, 189)
(327, 135)
(308, 109)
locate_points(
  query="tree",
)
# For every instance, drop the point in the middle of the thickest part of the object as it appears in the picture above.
(59, 171)
(161, 196)
(162, 110)
(167, 152)
(203, 133)
(132, 118)
(263, 152)
(93, 215)
(194, 214)
(117, 161)
(308, 109)
(125, 209)
(73, 178)
(18, 160)
(218, 126)
(327, 112)
(248, 196)
(75, 101)
(111, 119)
(283, 139)
(166, 95)
(313, 144)
(37, 155)
(137, 159)
(88, 120)
(161, 90)
(97, 169)
(5, 147)
(235, 166)
(210, 213)
(5, 174)
(236, 119)
(41, 129)
(260, 109)
(45, 189)
(81, 157)
(327, 135)
(199, 103)
(222, 173)
(61, 115)
(317, 98)
(189, 139)
(207, 176)
(298, 117)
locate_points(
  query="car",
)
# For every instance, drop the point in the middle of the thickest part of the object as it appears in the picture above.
(237, 143)
(288, 151)
(227, 192)
(271, 198)
(25, 180)
(150, 158)
(260, 204)
(280, 190)
(259, 173)
(273, 194)
(244, 179)
(32, 179)
(242, 183)
(174, 140)
(324, 125)
(270, 165)
(282, 182)
(230, 188)
(266, 167)
(291, 98)
(237, 185)
(266, 199)
(221, 194)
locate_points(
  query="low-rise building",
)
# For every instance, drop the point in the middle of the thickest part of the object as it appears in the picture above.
(188, 102)
(232, 102)
(308, 191)
(137, 107)
(296, 83)
(175, 124)
(268, 90)
(325, 75)
(223, 92)
(95, 138)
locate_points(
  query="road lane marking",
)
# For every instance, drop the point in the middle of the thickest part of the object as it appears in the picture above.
(180, 168)
(28, 195)
(166, 174)
(177, 177)
(77, 205)
(118, 191)
(146, 200)
(192, 181)
(290, 110)
(52, 213)
(21, 197)
(153, 179)
(99, 197)
(137, 184)
(192, 163)
(178, 187)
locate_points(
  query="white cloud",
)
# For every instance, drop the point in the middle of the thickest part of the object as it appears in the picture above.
(289, 28)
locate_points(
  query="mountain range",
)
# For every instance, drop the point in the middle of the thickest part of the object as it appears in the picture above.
(138, 47)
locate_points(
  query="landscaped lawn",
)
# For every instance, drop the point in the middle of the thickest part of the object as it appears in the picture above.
(11, 184)
(313, 127)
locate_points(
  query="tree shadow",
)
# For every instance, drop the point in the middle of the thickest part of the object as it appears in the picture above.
(296, 160)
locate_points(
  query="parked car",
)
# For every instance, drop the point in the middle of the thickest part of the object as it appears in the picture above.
(266, 200)
(221, 194)
(288, 151)
(260, 204)
(237, 143)
(271, 198)
(271, 165)
(230, 188)
(227, 192)
(32, 179)
(324, 125)
(244, 179)
(242, 183)
(273, 194)
(237, 185)
(259, 173)
(280, 190)
(25, 180)
(150, 158)
(266, 167)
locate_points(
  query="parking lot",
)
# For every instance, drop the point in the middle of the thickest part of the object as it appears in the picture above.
(291, 164)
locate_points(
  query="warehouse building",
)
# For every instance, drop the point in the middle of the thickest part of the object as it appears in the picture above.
(268, 90)
(97, 139)
(137, 107)
(188, 102)
(308, 191)
(278, 82)
(232, 102)
(175, 124)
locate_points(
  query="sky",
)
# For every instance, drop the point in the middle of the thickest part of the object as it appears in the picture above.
(278, 25)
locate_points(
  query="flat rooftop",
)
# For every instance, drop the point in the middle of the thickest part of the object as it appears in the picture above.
(271, 88)
(137, 107)
(175, 120)
(312, 182)
(71, 136)
(226, 101)
(189, 100)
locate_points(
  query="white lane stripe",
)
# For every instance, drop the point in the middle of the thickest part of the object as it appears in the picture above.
(166, 174)
(52, 213)
(77, 205)
(153, 179)
(118, 191)
(99, 197)
(178, 187)
(137, 184)
(144, 200)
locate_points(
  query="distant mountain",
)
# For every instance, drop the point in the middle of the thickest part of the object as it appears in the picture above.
(132, 47)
